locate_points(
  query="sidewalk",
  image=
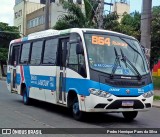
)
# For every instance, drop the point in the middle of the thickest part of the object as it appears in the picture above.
(3, 78)
(156, 103)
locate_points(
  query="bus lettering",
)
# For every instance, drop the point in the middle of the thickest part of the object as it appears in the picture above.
(43, 83)
(97, 40)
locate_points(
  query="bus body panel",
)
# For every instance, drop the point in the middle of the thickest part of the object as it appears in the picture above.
(103, 105)
(44, 83)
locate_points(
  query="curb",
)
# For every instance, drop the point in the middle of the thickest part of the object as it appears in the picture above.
(156, 106)
(3, 79)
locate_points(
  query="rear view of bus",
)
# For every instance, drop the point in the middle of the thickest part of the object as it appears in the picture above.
(118, 64)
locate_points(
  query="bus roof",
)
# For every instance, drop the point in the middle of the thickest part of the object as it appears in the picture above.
(52, 32)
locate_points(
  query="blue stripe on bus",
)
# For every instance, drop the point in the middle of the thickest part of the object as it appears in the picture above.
(39, 81)
(8, 78)
(24, 38)
(44, 82)
(122, 91)
(18, 79)
(81, 86)
(27, 75)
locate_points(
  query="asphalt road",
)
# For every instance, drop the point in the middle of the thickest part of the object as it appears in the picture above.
(13, 114)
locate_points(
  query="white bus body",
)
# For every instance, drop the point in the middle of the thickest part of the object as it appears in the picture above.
(57, 67)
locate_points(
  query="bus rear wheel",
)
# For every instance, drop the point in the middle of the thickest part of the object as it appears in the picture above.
(77, 114)
(129, 116)
(26, 99)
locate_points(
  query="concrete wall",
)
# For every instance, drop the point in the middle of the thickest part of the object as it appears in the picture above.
(33, 15)
(26, 8)
(121, 8)
(56, 10)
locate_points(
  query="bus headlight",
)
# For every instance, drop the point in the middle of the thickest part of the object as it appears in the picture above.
(99, 93)
(148, 94)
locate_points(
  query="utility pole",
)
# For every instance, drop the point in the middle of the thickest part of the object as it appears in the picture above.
(146, 18)
(47, 14)
(101, 10)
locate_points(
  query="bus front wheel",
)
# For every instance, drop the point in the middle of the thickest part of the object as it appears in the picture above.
(77, 114)
(130, 115)
(26, 99)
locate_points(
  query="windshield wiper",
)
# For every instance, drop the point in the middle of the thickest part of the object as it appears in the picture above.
(116, 63)
(125, 60)
(135, 51)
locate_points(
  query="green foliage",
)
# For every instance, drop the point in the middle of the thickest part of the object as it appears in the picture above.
(3, 54)
(155, 36)
(156, 82)
(76, 17)
(130, 24)
(157, 98)
(110, 22)
(5, 39)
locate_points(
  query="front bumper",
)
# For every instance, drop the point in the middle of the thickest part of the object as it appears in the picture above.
(94, 103)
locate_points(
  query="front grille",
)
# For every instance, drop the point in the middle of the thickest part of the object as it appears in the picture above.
(148, 105)
(100, 105)
(125, 83)
(118, 104)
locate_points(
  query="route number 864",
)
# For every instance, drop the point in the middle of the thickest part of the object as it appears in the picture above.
(98, 40)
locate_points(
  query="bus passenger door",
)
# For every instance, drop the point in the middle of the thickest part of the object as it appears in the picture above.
(13, 67)
(61, 70)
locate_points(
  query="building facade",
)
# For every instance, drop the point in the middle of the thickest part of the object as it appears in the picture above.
(121, 7)
(21, 9)
(36, 20)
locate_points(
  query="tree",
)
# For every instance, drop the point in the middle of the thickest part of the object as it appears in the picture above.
(76, 17)
(130, 24)
(110, 22)
(155, 36)
(5, 39)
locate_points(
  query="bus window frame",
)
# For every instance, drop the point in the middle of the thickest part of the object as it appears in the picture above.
(22, 43)
(10, 59)
(43, 50)
(110, 34)
(30, 55)
(85, 56)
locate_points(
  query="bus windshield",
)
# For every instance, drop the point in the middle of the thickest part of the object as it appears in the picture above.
(104, 49)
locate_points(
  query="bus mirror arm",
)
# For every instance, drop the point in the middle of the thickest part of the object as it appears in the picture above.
(73, 41)
(143, 48)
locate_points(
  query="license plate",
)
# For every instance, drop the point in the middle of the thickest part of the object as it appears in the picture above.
(127, 103)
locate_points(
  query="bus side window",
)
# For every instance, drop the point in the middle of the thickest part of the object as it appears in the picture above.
(14, 55)
(50, 51)
(25, 53)
(10, 55)
(36, 53)
(76, 62)
(73, 59)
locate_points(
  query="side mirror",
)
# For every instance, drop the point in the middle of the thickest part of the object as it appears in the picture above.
(143, 48)
(79, 48)
(74, 41)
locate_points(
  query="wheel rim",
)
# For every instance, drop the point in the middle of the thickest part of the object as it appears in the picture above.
(76, 108)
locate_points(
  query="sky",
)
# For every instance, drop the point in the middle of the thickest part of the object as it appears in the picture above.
(7, 13)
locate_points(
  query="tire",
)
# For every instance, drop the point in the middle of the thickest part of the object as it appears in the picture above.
(77, 114)
(26, 99)
(129, 116)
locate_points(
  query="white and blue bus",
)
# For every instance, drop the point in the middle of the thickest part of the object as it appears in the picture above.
(87, 70)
